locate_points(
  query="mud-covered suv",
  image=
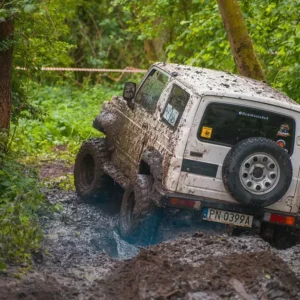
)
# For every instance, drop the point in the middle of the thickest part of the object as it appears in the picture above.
(223, 145)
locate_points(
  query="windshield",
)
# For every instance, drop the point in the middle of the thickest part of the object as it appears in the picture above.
(228, 124)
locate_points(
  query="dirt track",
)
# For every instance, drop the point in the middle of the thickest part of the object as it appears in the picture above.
(86, 259)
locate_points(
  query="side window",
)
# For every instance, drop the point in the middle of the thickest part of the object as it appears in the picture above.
(151, 90)
(176, 104)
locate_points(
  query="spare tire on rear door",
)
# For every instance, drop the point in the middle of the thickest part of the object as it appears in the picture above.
(256, 171)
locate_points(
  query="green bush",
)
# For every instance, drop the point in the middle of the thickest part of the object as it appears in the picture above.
(20, 200)
(68, 115)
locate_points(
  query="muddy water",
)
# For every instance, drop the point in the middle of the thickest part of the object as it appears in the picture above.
(84, 229)
(87, 229)
(84, 257)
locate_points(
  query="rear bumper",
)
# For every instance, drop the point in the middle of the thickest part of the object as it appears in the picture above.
(198, 204)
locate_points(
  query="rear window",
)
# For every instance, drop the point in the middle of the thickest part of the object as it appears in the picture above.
(228, 124)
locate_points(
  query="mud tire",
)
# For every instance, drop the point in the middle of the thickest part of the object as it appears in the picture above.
(281, 237)
(89, 177)
(236, 156)
(139, 218)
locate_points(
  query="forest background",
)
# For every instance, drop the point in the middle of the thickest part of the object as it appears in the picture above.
(52, 112)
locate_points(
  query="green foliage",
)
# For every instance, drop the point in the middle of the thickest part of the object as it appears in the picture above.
(3, 141)
(37, 41)
(64, 182)
(21, 106)
(20, 200)
(69, 113)
(194, 34)
(202, 41)
(275, 30)
(100, 33)
(9, 9)
(6, 44)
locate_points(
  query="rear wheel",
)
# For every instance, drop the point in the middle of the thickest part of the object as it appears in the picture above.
(139, 219)
(280, 237)
(89, 177)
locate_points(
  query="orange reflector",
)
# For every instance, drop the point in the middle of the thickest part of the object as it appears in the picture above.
(287, 220)
(174, 201)
(281, 144)
(181, 202)
(290, 221)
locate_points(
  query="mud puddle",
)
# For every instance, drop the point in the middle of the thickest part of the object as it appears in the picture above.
(84, 257)
(87, 229)
(84, 229)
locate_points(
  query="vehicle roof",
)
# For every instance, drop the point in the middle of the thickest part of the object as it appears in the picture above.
(211, 82)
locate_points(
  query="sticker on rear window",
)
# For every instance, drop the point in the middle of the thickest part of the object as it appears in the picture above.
(171, 114)
(284, 130)
(242, 113)
(206, 132)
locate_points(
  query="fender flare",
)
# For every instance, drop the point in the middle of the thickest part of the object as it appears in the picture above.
(154, 160)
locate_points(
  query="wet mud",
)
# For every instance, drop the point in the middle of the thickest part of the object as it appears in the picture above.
(84, 257)
(54, 169)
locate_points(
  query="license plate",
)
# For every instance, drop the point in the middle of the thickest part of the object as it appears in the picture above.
(227, 217)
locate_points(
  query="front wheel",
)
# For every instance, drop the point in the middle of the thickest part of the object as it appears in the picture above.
(89, 177)
(139, 219)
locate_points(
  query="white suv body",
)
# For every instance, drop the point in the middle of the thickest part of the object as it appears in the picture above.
(180, 126)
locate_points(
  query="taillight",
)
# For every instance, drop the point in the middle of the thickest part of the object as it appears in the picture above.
(280, 219)
(184, 203)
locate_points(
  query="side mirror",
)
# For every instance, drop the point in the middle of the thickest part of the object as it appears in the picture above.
(129, 91)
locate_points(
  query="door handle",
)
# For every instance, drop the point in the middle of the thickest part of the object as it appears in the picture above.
(197, 154)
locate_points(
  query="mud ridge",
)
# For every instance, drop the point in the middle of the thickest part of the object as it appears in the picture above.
(84, 257)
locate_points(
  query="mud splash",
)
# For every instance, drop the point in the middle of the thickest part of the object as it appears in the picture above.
(84, 229)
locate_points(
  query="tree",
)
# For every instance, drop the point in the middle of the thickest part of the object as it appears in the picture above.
(240, 42)
(30, 37)
(6, 51)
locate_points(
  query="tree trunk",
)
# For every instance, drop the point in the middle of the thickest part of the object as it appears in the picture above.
(154, 49)
(6, 32)
(240, 42)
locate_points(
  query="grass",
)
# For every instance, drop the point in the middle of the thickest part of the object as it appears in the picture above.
(68, 116)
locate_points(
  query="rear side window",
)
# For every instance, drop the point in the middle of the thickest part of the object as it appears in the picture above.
(228, 124)
(175, 107)
(151, 90)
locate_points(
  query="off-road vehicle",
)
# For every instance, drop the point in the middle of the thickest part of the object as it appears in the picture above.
(223, 145)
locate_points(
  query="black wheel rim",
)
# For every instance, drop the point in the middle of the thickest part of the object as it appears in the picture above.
(88, 169)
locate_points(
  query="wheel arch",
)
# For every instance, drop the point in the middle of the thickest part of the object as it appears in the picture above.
(151, 164)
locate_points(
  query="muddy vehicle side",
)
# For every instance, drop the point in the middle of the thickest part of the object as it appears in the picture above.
(181, 139)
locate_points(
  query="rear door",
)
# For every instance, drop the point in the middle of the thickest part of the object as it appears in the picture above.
(218, 125)
(202, 161)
